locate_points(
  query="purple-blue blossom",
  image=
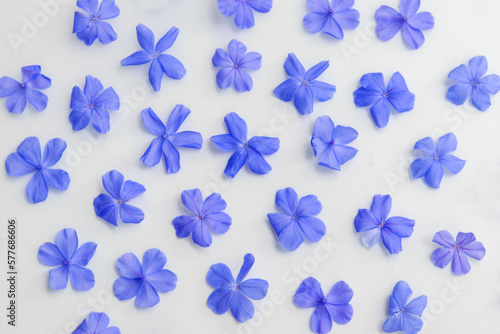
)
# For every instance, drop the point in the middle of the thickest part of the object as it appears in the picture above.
(19, 93)
(302, 87)
(245, 151)
(92, 26)
(70, 261)
(330, 17)
(436, 157)
(333, 307)
(411, 23)
(28, 159)
(376, 225)
(92, 105)
(329, 142)
(242, 10)
(234, 64)
(168, 138)
(456, 251)
(206, 215)
(373, 93)
(235, 295)
(404, 315)
(160, 63)
(108, 207)
(298, 222)
(472, 82)
(97, 323)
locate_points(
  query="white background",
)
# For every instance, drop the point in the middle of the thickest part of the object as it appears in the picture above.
(465, 202)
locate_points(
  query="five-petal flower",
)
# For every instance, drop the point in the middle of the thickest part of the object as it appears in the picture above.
(373, 92)
(168, 138)
(334, 307)
(90, 27)
(473, 82)
(375, 224)
(330, 18)
(235, 294)
(28, 159)
(249, 151)
(431, 166)
(404, 316)
(242, 10)
(390, 21)
(19, 93)
(160, 63)
(108, 206)
(465, 245)
(298, 220)
(303, 87)
(143, 281)
(97, 323)
(207, 215)
(234, 64)
(70, 261)
(329, 142)
(92, 104)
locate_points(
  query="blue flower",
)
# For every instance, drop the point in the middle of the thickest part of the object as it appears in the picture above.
(472, 82)
(431, 166)
(389, 22)
(242, 10)
(160, 63)
(298, 221)
(375, 224)
(234, 295)
(90, 27)
(234, 64)
(70, 261)
(19, 93)
(465, 245)
(330, 143)
(206, 214)
(143, 281)
(373, 92)
(302, 87)
(92, 104)
(96, 324)
(107, 207)
(331, 18)
(28, 160)
(404, 316)
(250, 151)
(168, 138)
(334, 307)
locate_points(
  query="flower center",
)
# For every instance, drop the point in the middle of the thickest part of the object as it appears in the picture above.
(474, 83)
(245, 146)
(39, 167)
(66, 262)
(330, 11)
(405, 18)
(385, 95)
(91, 105)
(304, 83)
(295, 218)
(120, 202)
(436, 158)
(156, 55)
(23, 85)
(165, 136)
(93, 18)
(332, 142)
(235, 65)
(141, 276)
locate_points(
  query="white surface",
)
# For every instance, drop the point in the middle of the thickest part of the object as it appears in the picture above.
(466, 202)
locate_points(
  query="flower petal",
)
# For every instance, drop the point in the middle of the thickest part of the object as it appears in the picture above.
(391, 241)
(219, 300)
(381, 207)
(16, 102)
(82, 279)
(341, 293)
(106, 208)
(389, 22)
(380, 113)
(422, 21)
(108, 100)
(225, 142)
(490, 83)
(393, 323)
(420, 166)
(304, 100)
(236, 126)
(171, 156)
(58, 278)
(90, 6)
(308, 206)
(347, 19)
(344, 135)
(49, 255)
(475, 250)
(167, 40)
(254, 288)
(225, 77)
(218, 222)
(146, 38)
(219, 276)
(152, 122)
(83, 254)
(137, 58)
(244, 16)
(478, 67)
(291, 236)
(8, 86)
(320, 320)
(365, 220)
(93, 87)
(316, 70)
(262, 6)
(458, 94)
(37, 99)
(322, 91)
(264, 145)
(162, 280)
(241, 307)
(236, 51)
(228, 7)
(287, 200)
(113, 183)
(398, 95)
(153, 260)
(30, 150)
(67, 242)
(97, 322)
(108, 10)
(201, 234)
(89, 34)
(176, 118)
(53, 152)
(411, 324)
(287, 89)
(105, 32)
(409, 7)
(251, 61)
(128, 266)
(213, 204)
(313, 228)
(235, 162)
(400, 226)
(222, 59)
(319, 5)
(309, 293)
(444, 238)
(189, 139)
(126, 288)
(413, 37)
(147, 296)
(294, 68)
(371, 237)
(192, 200)
(332, 28)
(480, 98)
(131, 190)
(242, 81)
(155, 74)
(56, 178)
(172, 67)
(329, 159)
(442, 256)
(184, 225)
(460, 74)
(37, 189)
(340, 313)
(131, 214)
(453, 163)
(344, 153)
(153, 154)
(279, 221)
(399, 297)
(17, 166)
(79, 118)
(446, 144)
(364, 97)
(434, 175)
(248, 261)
